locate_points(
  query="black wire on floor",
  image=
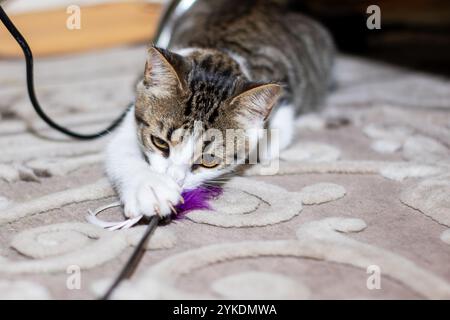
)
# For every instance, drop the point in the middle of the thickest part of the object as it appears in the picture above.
(31, 92)
(134, 259)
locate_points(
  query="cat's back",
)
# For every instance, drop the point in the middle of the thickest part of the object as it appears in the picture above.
(275, 43)
(240, 24)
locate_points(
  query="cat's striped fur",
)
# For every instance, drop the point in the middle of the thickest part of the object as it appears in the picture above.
(230, 64)
(274, 45)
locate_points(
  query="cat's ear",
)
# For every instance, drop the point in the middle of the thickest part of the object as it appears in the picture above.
(165, 69)
(256, 103)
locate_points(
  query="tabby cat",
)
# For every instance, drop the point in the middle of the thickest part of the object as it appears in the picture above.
(230, 64)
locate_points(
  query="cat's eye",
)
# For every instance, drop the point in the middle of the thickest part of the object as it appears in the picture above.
(160, 144)
(209, 161)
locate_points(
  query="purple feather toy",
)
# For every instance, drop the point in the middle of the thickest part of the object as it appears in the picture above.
(197, 199)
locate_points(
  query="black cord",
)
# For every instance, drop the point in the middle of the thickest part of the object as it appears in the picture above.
(30, 85)
(139, 250)
(137, 253)
(132, 262)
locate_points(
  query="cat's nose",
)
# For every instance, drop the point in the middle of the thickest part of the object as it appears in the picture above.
(178, 174)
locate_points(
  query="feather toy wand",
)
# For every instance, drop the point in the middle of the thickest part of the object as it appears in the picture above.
(195, 199)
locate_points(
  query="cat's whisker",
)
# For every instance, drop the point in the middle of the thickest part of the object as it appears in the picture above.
(209, 185)
(219, 180)
(210, 182)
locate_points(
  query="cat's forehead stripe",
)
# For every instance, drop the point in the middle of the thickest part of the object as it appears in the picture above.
(160, 125)
(169, 133)
(177, 135)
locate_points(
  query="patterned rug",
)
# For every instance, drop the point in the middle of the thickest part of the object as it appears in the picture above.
(359, 208)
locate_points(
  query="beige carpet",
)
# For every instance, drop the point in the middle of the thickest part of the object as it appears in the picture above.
(358, 209)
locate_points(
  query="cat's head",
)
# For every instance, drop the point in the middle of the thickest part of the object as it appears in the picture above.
(197, 114)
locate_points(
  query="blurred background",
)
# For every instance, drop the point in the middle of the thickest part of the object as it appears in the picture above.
(414, 33)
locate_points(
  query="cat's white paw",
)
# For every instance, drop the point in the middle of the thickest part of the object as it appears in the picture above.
(149, 194)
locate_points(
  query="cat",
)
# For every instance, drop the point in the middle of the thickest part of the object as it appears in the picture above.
(230, 64)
